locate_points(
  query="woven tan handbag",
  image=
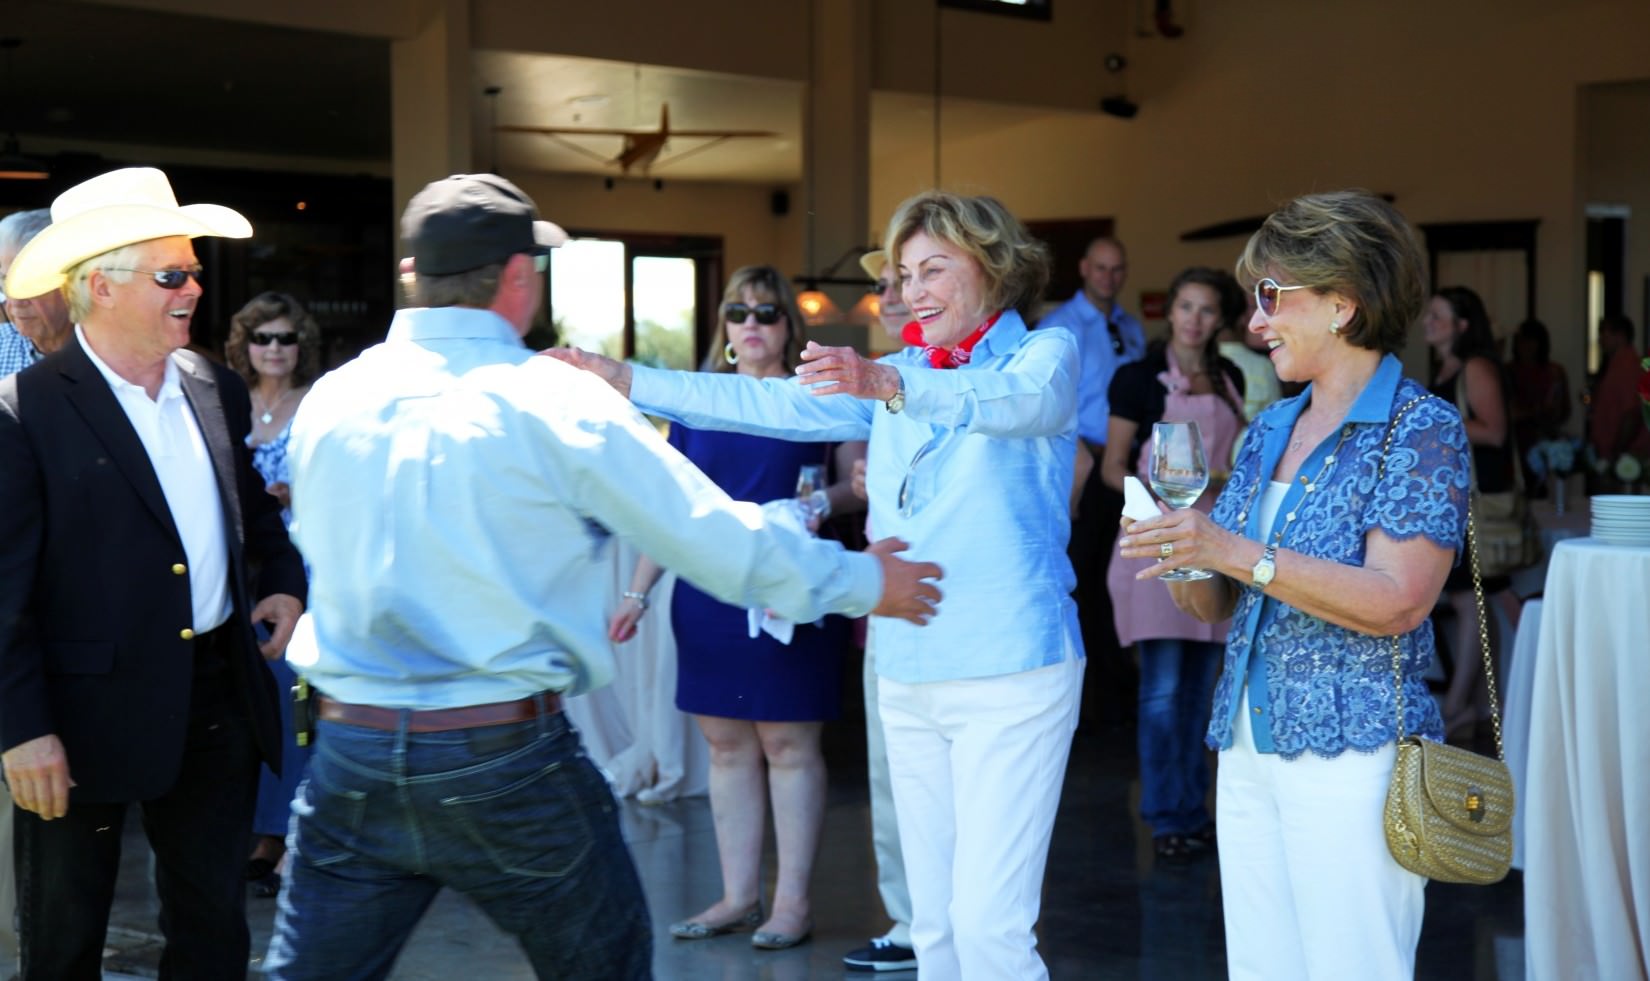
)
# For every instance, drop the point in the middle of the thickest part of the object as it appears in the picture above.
(1449, 810)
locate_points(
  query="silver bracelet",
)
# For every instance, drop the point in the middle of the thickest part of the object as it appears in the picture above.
(640, 598)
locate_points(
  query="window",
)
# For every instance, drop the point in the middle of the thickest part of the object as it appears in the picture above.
(650, 299)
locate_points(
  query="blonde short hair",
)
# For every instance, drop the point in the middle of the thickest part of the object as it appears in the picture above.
(1016, 266)
(1352, 243)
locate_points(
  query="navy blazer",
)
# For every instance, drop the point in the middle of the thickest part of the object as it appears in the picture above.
(94, 591)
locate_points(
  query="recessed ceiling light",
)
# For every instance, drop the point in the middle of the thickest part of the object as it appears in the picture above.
(593, 99)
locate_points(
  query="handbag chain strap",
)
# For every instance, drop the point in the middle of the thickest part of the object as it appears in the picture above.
(1477, 592)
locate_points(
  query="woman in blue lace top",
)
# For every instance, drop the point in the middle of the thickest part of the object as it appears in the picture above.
(1323, 556)
(275, 344)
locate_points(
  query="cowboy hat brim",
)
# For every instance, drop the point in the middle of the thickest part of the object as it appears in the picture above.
(43, 264)
(874, 262)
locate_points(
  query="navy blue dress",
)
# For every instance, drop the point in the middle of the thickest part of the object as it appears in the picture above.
(721, 671)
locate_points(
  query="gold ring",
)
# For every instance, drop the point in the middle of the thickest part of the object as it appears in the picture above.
(1166, 549)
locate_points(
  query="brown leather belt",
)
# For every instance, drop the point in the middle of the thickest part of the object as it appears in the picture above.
(441, 720)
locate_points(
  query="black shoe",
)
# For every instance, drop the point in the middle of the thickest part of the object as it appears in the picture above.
(881, 954)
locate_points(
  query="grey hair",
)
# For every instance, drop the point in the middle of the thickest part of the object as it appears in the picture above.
(471, 288)
(114, 264)
(17, 228)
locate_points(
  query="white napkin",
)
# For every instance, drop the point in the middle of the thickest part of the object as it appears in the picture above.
(777, 627)
(1137, 500)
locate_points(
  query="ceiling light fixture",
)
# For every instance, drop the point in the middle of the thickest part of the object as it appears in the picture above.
(14, 164)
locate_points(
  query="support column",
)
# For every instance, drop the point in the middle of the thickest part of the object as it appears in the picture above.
(837, 155)
(430, 100)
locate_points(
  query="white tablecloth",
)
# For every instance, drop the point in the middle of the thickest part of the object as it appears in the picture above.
(632, 729)
(1515, 714)
(1587, 810)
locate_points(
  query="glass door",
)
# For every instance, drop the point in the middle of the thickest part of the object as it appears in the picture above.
(648, 298)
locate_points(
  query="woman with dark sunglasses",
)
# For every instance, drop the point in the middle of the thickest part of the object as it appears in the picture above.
(973, 433)
(761, 703)
(274, 343)
(1331, 542)
(1182, 378)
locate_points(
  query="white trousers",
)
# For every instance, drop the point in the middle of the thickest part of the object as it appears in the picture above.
(896, 896)
(1308, 887)
(977, 767)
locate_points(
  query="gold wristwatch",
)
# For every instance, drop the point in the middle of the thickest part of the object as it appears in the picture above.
(1261, 575)
(897, 402)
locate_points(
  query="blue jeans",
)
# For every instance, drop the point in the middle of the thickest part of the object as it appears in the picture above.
(1177, 681)
(514, 816)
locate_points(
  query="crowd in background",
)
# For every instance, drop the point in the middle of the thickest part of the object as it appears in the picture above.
(998, 443)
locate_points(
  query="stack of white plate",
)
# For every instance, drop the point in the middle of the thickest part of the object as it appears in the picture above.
(1621, 519)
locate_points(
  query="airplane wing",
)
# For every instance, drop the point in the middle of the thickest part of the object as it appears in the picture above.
(570, 131)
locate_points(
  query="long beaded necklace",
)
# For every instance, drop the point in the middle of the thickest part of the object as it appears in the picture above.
(1311, 484)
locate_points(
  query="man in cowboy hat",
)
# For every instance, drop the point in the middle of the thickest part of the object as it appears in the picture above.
(37, 325)
(132, 522)
(455, 496)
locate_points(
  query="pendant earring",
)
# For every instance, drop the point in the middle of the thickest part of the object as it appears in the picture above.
(729, 354)
(1334, 326)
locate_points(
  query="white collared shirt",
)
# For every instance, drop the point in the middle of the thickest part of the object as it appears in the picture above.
(172, 438)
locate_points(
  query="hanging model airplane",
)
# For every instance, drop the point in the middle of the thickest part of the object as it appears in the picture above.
(641, 147)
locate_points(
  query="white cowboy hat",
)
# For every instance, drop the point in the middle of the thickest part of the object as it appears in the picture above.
(119, 208)
(873, 262)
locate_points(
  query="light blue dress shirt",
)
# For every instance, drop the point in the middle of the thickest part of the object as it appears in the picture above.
(1314, 686)
(1095, 354)
(454, 494)
(975, 474)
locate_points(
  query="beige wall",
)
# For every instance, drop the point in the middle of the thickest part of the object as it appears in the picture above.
(1464, 111)
(739, 213)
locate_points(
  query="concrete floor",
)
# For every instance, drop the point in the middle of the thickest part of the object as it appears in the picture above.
(1108, 910)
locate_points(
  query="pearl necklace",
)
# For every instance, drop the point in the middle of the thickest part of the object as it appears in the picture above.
(268, 415)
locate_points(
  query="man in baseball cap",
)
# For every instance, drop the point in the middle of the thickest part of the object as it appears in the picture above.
(456, 498)
(134, 538)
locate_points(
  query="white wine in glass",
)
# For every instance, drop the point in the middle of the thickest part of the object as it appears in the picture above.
(809, 479)
(1179, 474)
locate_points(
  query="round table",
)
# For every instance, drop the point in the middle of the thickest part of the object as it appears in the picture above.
(1587, 810)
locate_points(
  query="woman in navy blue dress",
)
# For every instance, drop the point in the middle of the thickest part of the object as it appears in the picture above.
(761, 704)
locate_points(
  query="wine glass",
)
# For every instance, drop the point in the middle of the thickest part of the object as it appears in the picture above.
(810, 480)
(1179, 474)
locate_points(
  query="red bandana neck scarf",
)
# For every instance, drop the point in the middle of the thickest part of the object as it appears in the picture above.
(941, 357)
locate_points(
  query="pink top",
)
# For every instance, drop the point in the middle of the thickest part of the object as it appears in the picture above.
(1143, 610)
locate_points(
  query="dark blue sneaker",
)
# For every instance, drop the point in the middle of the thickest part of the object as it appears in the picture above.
(881, 954)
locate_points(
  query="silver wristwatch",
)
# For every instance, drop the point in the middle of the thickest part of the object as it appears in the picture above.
(897, 402)
(1261, 575)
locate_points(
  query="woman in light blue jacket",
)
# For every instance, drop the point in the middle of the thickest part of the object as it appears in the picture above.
(972, 435)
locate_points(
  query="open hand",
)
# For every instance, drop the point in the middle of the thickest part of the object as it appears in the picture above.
(908, 590)
(615, 373)
(281, 612)
(841, 371)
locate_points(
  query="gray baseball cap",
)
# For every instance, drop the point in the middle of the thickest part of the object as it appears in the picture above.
(467, 221)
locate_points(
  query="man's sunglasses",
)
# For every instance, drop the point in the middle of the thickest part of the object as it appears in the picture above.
(882, 286)
(1116, 337)
(168, 279)
(285, 338)
(1268, 294)
(767, 314)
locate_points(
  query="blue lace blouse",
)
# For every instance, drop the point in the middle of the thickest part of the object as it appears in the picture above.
(1314, 686)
